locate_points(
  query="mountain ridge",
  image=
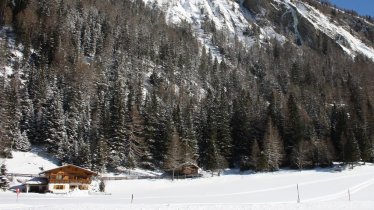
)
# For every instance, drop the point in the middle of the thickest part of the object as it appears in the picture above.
(235, 19)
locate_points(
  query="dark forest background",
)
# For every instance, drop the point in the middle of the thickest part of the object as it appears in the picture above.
(104, 84)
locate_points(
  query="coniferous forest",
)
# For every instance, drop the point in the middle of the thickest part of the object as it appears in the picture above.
(108, 84)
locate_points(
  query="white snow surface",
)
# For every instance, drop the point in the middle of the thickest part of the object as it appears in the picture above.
(349, 43)
(320, 189)
(28, 162)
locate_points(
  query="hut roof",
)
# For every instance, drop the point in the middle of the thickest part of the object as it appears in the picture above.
(185, 164)
(189, 164)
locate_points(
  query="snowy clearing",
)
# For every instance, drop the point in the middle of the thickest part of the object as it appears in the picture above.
(32, 162)
(319, 189)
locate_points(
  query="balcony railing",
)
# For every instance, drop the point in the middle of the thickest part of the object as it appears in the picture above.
(64, 181)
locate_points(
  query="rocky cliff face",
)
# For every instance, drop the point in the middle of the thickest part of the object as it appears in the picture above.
(298, 21)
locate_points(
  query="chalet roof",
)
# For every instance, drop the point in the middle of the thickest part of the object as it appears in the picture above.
(70, 165)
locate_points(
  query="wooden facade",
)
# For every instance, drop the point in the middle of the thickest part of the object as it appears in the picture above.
(186, 169)
(68, 178)
(189, 169)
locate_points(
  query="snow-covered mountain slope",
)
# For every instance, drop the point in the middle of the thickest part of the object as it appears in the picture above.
(234, 19)
(7, 38)
(349, 43)
(228, 16)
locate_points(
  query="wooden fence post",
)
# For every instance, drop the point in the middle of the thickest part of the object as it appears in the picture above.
(298, 193)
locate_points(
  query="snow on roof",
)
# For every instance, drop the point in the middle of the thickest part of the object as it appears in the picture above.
(189, 164)
(37, 181)
(70, 165)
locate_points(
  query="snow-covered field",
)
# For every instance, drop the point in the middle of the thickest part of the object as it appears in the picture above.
(319, 189)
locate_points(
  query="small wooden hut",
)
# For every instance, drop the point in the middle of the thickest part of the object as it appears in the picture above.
(184, 170)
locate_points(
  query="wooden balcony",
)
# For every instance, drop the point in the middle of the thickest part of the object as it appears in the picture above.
(68, 175)
(74, 181)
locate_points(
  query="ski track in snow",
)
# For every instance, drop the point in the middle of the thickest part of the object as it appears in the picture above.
(342, 194)
(353, 189)
(319, 189)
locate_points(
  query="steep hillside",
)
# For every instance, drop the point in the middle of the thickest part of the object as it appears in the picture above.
(154, 83)
(251, 21)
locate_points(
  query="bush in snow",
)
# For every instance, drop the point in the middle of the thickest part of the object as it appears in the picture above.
(4, 183)
(102, 186)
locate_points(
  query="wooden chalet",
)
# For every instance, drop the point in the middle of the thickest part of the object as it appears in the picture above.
(68, 178)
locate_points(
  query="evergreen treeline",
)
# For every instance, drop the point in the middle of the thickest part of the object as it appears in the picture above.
(104, 84)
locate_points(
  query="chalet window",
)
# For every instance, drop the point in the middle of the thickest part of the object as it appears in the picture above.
(59, 176)
(83, 187)
(59, 187)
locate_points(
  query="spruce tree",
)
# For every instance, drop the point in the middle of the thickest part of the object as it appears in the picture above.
(11, 120)
(155, 129)
(4, 183)
(175, 155)
(322, 154)
(295, 125)
(137, 152)
(213, 160)
(57, 142)
(255, 157)
(300, 155)
(338, 126)
(22, 142)
(189, 138)
(273, 150)
(240, 133)
(117, 139)
(224, 139)
(351, 150)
